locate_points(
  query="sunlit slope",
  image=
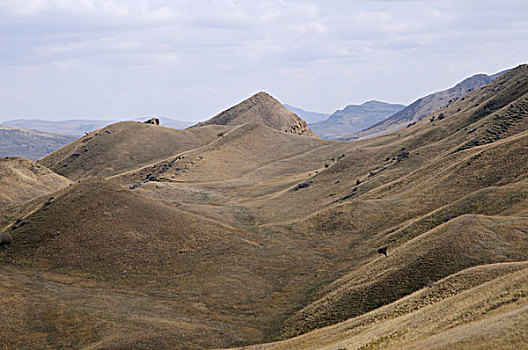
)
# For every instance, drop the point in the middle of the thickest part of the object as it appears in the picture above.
(22, 179)
(262, 108)
(123, 146)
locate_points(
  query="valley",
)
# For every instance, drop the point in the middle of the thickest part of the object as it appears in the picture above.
(249, 231)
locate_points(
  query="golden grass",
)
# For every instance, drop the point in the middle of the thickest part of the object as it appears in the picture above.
(216, 245)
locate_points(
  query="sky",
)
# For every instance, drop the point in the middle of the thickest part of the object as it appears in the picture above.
(189, 60)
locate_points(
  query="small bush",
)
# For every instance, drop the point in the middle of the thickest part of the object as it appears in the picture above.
(301, 185)
(5, 239)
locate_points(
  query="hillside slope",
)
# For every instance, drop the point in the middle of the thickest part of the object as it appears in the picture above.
(264, 109)
(22, 180)
(123, 146)
(480, 307)
(234, 235)
(423, 106)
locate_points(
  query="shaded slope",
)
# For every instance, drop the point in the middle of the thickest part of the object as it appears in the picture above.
(484, 307)
(461, 243)
(31, 144)
(264, 109)
(218, 285)
(123, 146)
(354, 118)
(22, 180)
(423, 106)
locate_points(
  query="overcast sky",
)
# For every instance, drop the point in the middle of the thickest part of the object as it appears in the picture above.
(188, 60)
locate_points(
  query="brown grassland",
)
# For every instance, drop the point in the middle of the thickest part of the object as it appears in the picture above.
(224, 236)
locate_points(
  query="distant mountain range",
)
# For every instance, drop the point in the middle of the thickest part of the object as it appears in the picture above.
(78, 127)
(354, 118)
(28, 143)
(423, 106)
(307, 116)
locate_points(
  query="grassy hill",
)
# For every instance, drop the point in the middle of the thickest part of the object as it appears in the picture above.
(22, 179)
(263, 109)
(231, 235)
(113, 149)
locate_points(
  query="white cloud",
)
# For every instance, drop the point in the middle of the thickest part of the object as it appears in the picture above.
(154, 55)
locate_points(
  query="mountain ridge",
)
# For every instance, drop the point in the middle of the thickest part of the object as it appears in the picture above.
(420, 108)
(262, 108)
(354, 118)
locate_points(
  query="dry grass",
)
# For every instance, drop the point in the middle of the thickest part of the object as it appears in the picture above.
(22, 180)
(216, 245)
(484, 307)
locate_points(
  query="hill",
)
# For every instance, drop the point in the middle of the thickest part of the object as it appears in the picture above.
(264, 109)
(423, 106)
(233, 235)
(31, 144)
(307, 116)
(22, 180)
(354, 118)
(123, 146)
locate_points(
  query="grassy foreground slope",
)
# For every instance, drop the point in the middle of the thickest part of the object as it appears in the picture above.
(482, 307)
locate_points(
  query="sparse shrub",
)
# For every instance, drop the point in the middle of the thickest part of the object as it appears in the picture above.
(326, 165)
(18, 223)
(429, 284)
(358, 181)
(301, 185)
(220, 134)
(403, 155)
(441, 116)
(5, 239)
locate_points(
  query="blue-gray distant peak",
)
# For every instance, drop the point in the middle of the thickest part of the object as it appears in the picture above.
(355, 117)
